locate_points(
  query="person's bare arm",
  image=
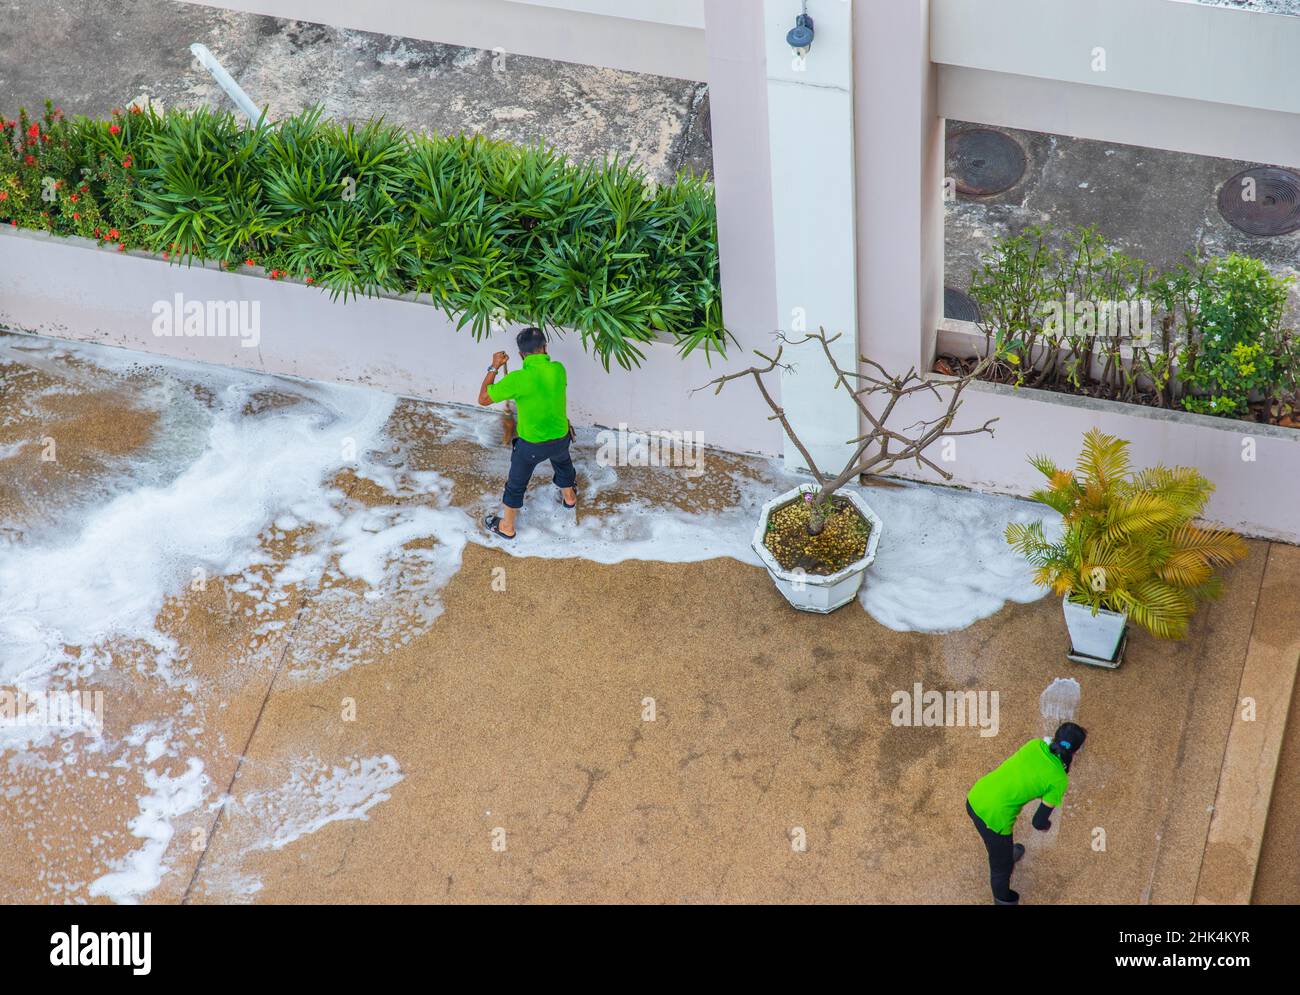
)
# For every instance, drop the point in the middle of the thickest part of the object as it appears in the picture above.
(499, 360)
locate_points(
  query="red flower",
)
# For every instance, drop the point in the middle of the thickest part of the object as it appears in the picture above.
(126, 163)
(30, 160)
(137, 109)
(76, 217)
(112, 233)
(309, 280)
(97, 233)
(4, 194)
(121, 246)
(250, 262)
(113, 129)
(14, 223)
(72, 197)
(34, 131)
(164, 255)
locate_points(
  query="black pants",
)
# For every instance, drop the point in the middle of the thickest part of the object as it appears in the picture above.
(524, 460)
(1002, 858)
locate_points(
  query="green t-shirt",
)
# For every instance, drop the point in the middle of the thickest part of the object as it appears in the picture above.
(1033, 771)
(538, 391)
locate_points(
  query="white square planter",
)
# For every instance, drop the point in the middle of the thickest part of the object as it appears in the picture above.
(1096, 636)
(811, 592)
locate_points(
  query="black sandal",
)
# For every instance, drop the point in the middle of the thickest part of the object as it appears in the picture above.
(560, 495)
(492, 523)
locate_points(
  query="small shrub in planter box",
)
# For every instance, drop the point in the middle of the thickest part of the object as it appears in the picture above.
(493, 232)
(1129, 548)
(1235, 347)
(1073, 314)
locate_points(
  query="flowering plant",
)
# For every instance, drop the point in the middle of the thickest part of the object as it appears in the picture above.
(1235, 349)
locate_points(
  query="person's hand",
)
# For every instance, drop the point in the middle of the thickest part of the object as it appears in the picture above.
(499, 359)
(1043, 818)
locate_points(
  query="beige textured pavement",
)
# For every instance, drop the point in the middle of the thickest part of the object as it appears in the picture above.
(645, 732)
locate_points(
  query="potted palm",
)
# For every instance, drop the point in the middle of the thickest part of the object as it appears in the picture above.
(1129, 549)
(818, 540)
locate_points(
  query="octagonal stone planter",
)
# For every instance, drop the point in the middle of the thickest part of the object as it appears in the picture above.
(810, 592)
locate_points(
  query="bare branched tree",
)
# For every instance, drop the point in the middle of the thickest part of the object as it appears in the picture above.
(881, 447)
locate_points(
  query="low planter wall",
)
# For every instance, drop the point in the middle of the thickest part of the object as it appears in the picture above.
(1255, 467)
(73, 288)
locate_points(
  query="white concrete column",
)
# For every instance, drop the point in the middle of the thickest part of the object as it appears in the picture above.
(900, 156)
(737, 80)
(810, 148)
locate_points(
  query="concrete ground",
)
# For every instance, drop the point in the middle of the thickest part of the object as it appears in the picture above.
(1278, 879)
(503, 751)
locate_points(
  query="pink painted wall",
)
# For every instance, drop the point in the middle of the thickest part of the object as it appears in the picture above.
(1254, 496)
(75, 290)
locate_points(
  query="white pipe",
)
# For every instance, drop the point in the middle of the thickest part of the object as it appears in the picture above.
(227, 83)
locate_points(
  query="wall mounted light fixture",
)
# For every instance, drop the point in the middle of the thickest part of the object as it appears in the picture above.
(800, 37)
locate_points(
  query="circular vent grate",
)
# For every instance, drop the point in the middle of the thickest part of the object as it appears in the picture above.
(1262, 201)
(984, 162)
(959, 306)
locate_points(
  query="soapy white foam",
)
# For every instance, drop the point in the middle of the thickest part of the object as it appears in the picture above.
(110, 579)
(142, 870)
(942, 563)
(315, 795)
(12, 449)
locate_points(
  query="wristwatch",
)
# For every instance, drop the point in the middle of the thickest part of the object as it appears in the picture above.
(492, 369)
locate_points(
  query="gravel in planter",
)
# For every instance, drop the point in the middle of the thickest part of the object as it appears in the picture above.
(841, 542)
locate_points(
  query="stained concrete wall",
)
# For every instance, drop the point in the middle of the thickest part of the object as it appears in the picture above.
(70, 288)
(664, 38)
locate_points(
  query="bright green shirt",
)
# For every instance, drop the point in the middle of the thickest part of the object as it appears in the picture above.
(1033, 771)
(538, 392)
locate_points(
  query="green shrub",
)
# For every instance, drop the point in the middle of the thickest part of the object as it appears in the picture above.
(1234, 346)
(1215, 342)
(494, 232)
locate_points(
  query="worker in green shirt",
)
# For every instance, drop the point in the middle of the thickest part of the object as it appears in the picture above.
(1038, 770)
(538, 390)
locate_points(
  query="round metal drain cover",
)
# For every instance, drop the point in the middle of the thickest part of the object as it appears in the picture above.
(1262, 201)
(959, 306)
(984, 162)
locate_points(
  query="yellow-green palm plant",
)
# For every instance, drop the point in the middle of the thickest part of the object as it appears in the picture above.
(1128, 542)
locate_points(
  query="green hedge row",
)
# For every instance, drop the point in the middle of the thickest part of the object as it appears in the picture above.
(496, 233)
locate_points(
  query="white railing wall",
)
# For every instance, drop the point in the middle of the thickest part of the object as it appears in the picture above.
(1166, 74)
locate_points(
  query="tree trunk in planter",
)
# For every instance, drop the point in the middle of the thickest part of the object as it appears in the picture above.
(816, 514)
